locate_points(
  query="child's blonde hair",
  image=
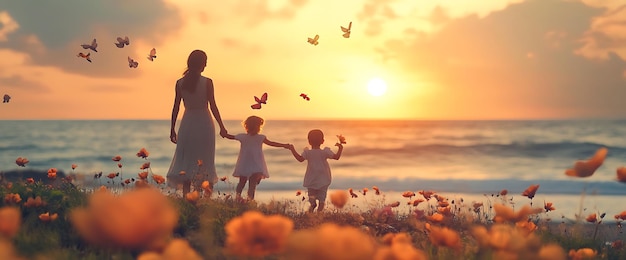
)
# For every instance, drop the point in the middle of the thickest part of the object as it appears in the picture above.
(316, 137)
(253, 124)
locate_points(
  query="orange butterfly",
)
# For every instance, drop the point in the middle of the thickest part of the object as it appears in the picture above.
(85, 56)
(304, 96)
(259, 101)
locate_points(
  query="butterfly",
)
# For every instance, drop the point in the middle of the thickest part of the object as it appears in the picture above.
(122, 41)
(91, 46)
(152, 55)
(304, 96)
(259, 101)
(6, 98)
(132, 63)
(85, 56)
(314, 40)
(346, 31)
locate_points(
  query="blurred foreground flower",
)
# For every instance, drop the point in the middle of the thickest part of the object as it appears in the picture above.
(34, 202)
(621, 174)
(511, 242)
(330, 241)
(339, 198)
(10, 221)
(21, 161)
(47, 217)
(12, 198)
(443, 236)
(506, 214)
(193, 197)
(583, 253)
(176, 249)
(588, 167)
(398, 246)
(256, 235)
(139, 219)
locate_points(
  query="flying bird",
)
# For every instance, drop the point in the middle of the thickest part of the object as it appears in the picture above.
(132, 63)
(122, 41)
(152, 55)
(304, 96)
(6, 98)
(346, 31)
(259, 101)
(91, 46)
(314, 40)
(85, 56)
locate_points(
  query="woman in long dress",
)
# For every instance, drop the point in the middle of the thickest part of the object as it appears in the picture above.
(194, 158)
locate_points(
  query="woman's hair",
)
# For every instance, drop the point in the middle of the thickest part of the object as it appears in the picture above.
(316, 137)
(253, 124)
(195, 65)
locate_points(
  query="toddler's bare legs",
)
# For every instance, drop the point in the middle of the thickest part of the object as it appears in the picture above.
(321, 207)
(240, 185)
(255, 179)
(313, 202)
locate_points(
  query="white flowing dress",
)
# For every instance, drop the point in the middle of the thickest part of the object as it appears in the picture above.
(250, 159)
(196, 139)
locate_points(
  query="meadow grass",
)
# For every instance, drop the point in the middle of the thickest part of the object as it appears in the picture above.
(436, 228)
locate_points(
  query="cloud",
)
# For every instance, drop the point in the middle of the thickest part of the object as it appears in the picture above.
(7, 25)
(606, 35)
(522, 66)
(61, 26)
(374, 14)
(19, 82)
(259, 11)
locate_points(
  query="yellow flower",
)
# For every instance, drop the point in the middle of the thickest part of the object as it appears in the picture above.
(52, 173)
(256, 235)
(339, 198)
(176, 249)
(10, 221)
(138, 219)
(530, 191)
(582, 253)
(47, 217)
(330, 241)
(143, 153)
(588, 167)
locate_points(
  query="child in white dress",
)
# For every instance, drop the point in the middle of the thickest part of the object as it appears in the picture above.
(251, 166)
(317, 177)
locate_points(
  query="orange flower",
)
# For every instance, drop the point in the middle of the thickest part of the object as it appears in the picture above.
(192, 197)
(255, 235)
(443, 203)
(224, 178)
(145, 165)
(427, 194)
(621, 174)
(143, 153)
(376, 189)
(116, 158)
(52, 173)
(416, 202)
(443, 236)
(530, 191)
(583, 253)
(12, 198)
(395, 204)
(74, 166)
(592, 218)
(477, 206)
(119, 165)
(330, 241)
(178, 248)
(526, 226)
(621, 215)
(506, 214)
(36, 202)
(206, 185)
(138, 219)
(47, 217)
(587, 168)
(158, 178)
(113, 175)
(435, 218)
(10, 221)
(21, 161)
(352, 194)
(143, 175)
(182, 173)
(127, 181)
(504, 192)
(200, 163)
(408, 194)
(548, 206)
(339, 198)
(365, 190)
(30, 180)
(298, 192)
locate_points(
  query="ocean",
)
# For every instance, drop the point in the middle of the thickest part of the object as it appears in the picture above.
(459, 158)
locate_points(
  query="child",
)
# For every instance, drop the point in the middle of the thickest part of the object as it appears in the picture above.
(317, 177)
(250, 166)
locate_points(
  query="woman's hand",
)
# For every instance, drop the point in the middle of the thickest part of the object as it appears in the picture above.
(223, 132)
(173, 137)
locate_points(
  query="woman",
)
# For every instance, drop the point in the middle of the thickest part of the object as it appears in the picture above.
(194, 158)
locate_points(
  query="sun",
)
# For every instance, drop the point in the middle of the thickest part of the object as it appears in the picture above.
(376, 87)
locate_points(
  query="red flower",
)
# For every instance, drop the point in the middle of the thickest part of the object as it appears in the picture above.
(143, 153)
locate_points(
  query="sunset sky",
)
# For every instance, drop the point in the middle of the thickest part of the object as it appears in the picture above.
(440, 59)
